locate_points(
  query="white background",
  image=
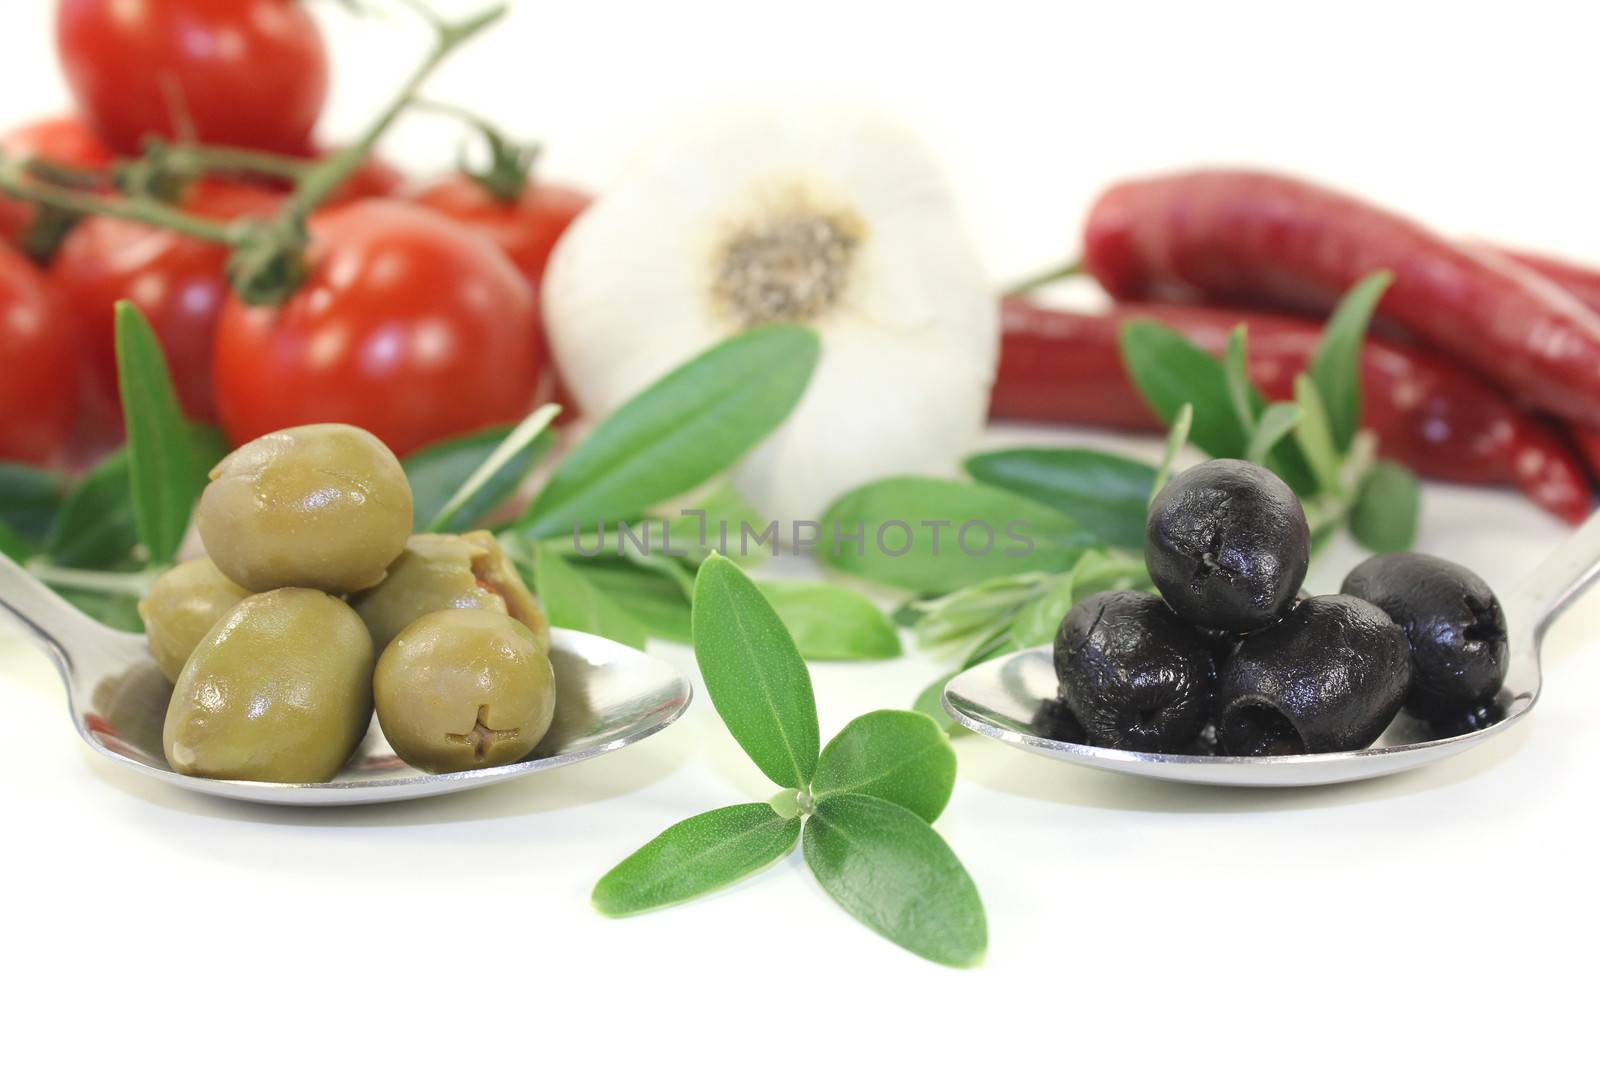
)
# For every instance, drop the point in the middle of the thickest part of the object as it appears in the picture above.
(1450, 911)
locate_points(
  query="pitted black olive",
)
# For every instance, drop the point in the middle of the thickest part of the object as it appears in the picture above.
(1132, 673)
(1228, 545)
(1222, 643)
(1055, 721)
(1459, 651)
(1330, 677)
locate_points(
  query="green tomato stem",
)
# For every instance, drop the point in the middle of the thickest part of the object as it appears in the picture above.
(187, 160)
(14, 181)
(324, 177)
(505, 176)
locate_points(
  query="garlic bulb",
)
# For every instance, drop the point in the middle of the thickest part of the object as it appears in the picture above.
(836, 219)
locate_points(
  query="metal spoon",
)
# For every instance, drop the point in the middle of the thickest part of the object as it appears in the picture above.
(607, 696)
(1003, 697)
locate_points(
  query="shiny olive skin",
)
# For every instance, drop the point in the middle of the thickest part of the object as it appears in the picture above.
(182, 607)
(280, 690)
(1454, 622)
(317, 507)
(1330, 677)
(462, 689)
(1132, 673)
(439, 571)
(1227, 545)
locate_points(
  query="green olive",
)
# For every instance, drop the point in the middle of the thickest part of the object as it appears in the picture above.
(462, 689)
(439, 571)
(280, 690)
(182, 607)
(318, 507)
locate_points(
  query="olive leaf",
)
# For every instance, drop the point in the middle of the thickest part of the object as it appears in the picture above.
(715, 524)
(440, 472)
(930, 702)
(1336, 366)
(117, 610)
(899, 756)
(1169, 371)
(680, 432)
(892, 871)
(1275, 424)
(13, 544)
(1177, 437)
(651, 596)
(1108, 494)
(1315, 434)
(1236, 371)
(1385, 515)
(976, 611)
(1096, 572)
(830, 622)
(1037, 621)
(882, 862)
(754, 674)
(696, 856)
(573, 602)
(29, 500)
(497, 476)
(931, 535)
(95, 526)
(165, 473)
(993, 644)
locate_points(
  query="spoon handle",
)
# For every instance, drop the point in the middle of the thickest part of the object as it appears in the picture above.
(40, 610)
(1564, 576)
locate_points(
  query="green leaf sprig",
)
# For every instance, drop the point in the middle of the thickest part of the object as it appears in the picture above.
(164, 471)
(1313, 442)
(673, 437)
(861, 807)
(1085, 510)
(102, 541)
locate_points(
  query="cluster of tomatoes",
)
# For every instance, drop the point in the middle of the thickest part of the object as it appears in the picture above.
(418, 316)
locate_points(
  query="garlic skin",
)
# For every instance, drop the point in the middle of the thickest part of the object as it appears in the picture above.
(835, 218)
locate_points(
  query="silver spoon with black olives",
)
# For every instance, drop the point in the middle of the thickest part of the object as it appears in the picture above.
(607, 696)
(1231, 677)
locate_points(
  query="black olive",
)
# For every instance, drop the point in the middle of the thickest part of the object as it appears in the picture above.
(1222, 643)
(1055, 721)
(1132, 673)
(1228, 545)
(1459, 651)
(1330, 677)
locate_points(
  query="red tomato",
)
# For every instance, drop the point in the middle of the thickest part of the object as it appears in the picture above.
(38, 375)
(526, 230)
(409, 325)
(176, 281)
(373, 178)
(60, 140)
(238, 72)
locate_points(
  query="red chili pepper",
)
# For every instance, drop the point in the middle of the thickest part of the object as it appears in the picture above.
(1254, 239)
(1583, 283)
(1060, 366)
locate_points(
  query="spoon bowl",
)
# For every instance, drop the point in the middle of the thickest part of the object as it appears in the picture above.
(1010, 699)
(607, 697)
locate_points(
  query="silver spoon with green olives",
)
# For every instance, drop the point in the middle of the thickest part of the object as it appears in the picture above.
(1017, 699)
(607, 696)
